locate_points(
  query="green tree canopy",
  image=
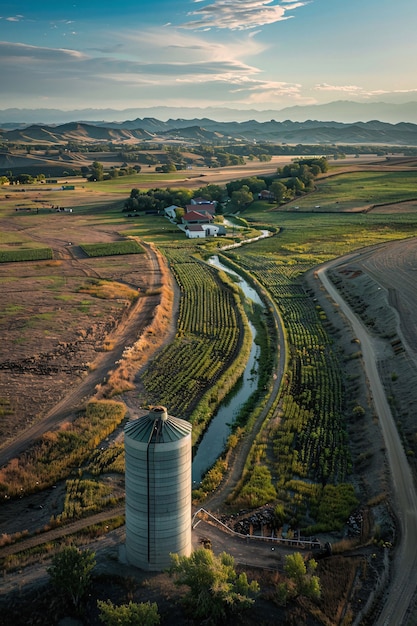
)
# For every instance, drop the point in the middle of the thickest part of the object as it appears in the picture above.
(97, 171)
(216, 591)
(303, 582)
(259, 489)
(132, 614)
(279, 190)
(70, 572)
(241, 198)
(211, 192)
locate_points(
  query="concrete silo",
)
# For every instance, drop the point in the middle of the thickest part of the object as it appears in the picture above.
(158, 489)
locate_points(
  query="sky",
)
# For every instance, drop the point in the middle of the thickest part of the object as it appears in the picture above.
(239, 54)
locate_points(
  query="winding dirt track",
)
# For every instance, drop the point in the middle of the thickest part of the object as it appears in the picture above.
(403, 583)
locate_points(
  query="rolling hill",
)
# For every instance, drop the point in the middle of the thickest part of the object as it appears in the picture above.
(204, 130)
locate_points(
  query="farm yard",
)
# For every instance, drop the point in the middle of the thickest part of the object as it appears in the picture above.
(322, 448)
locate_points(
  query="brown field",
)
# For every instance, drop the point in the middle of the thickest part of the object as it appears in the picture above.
(54, 333)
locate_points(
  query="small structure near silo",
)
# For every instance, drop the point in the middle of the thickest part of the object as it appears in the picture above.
(158, 489)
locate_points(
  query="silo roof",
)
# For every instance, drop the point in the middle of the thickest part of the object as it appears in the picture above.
(157, 427)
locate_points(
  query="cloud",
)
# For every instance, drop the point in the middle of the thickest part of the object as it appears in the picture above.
(13, 51)
(60, 71)
(270, 93)
(153, 65)
(240, 14)
(184, 46)
(365, 94)
(342, 88)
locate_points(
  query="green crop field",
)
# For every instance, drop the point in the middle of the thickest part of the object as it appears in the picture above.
(127, 246)
(358, 190)
(17, 247)
(25, 254)
(210, 334)
(309, 447)
(316, 237)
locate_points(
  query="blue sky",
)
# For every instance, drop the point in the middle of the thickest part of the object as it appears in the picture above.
(244, 54)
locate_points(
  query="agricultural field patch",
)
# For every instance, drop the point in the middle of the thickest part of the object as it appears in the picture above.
(126, 246)
(357, 192)
(55, 317)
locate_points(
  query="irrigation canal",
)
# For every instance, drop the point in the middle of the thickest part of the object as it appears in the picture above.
(215, 437)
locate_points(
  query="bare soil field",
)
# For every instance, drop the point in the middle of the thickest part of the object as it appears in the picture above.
(54, 332)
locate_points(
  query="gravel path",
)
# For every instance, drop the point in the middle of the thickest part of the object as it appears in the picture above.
(403, 585)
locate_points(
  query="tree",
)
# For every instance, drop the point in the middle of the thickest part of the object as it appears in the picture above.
(23, 179)
(180, 197)
(179, 214)
(259, 489)
(132, 614)
(70, 572)
(216, 591)
(279, 190)
(97, 171)
(241, 198)
(296, 184)
(279, 515)
(211, 192)
(358, 411)
(303, 582)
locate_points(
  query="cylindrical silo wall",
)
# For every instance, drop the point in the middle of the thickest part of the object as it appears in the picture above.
(158, 501)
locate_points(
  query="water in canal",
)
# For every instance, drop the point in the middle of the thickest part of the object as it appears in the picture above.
(214, 439)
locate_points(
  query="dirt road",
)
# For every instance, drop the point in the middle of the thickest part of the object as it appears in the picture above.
(403, 584)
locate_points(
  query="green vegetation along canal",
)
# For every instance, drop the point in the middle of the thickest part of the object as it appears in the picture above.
(214, 439)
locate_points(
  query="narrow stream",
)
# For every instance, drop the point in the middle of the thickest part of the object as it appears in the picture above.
(214, 439)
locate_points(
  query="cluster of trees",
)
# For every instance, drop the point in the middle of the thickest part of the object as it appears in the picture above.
(216, 591)
(290, 181)
(93, 173)
(96, 171)
(155, 200)
(218, 156)
(297, 178)
(21, 179)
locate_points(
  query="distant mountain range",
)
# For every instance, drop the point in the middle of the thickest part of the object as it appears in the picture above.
(339, 111)
(205, 130)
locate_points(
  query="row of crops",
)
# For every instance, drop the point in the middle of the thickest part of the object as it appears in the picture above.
(208, 339)
(310, 443)
(124, 246)
(25, 254)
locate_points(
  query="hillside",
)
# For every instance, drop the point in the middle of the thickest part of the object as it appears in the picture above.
(196, 131)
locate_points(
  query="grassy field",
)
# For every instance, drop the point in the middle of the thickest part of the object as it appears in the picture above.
(313, 238)
(356, 191)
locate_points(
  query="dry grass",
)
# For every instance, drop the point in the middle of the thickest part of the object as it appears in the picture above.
(109, 290)
(337, 575)
(135, 357)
